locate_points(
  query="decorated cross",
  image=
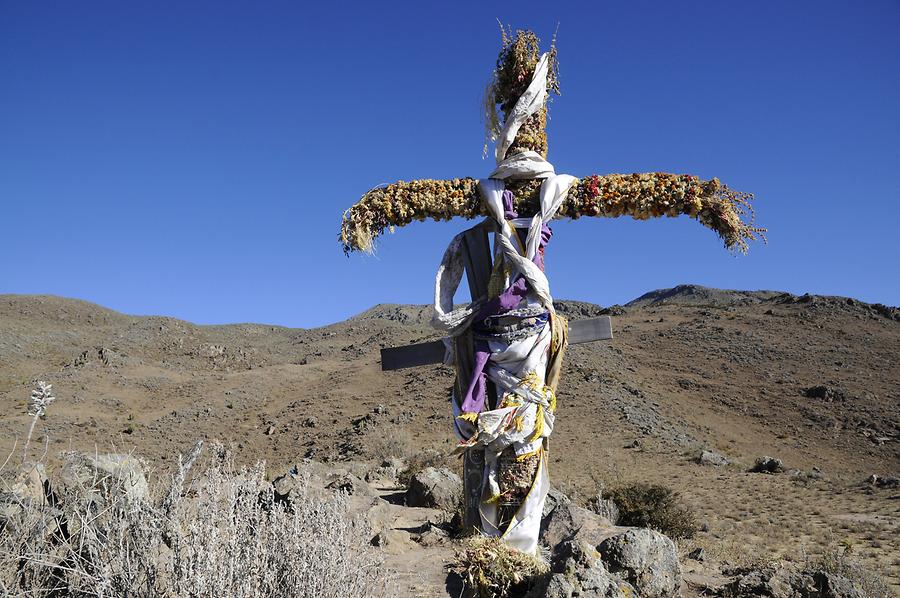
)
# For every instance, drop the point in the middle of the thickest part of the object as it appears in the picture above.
(507, 345)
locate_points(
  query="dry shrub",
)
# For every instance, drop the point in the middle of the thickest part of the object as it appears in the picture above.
(840, 560)
(389, 442)
(492, 569)
(656, 507)
(224, 536)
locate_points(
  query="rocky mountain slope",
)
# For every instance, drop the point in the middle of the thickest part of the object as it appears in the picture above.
(813, 381)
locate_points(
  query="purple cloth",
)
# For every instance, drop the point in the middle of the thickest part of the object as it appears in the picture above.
(509, 299)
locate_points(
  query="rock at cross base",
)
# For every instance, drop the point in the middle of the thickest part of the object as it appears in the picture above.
(435, 487)
(564, 520)
(646, 559)
(579, 571)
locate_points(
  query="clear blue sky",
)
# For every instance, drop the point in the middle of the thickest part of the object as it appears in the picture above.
(193, 159)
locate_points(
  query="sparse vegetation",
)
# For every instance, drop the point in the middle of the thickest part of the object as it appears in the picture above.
(839, 559)
(656, 507)
(102, 534)
(494, 570)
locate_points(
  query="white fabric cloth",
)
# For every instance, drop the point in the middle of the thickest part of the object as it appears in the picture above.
(516, 424)
(528, 103)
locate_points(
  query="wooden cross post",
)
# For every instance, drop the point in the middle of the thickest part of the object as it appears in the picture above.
(477, 255)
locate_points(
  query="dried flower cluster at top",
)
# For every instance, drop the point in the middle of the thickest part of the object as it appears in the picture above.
(518, 58)
(640, 196)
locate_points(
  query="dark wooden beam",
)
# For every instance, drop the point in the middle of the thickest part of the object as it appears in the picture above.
(396, 358)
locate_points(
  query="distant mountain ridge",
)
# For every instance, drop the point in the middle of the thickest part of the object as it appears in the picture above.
(691, 294)
(52, 308)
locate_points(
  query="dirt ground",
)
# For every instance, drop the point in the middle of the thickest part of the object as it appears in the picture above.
(813, 381)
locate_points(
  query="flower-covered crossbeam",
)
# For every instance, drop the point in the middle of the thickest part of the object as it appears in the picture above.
(641, 196)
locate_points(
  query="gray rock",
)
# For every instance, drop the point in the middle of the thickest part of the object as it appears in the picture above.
(884, 481)
(349, 484)
(712, 458)
(31, 483)
(767, 464)
(646, 559)
(101, 476)
(786, 581)
(830, 585)
(435, 487)
(580, 572)
(565, 521)
(28, 490)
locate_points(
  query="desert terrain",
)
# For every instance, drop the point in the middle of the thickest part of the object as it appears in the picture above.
(811, 380)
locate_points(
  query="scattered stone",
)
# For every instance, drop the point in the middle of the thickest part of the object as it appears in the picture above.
(103, 475)
(782, 580)
(712, 458)
(697, 554)
(825, 393)
(270, 430)
(29, 488)
(349, 484)
(432, 536)
(767, 464)
(435, 488)
(646, 559)
(888, 481)
(309, 422)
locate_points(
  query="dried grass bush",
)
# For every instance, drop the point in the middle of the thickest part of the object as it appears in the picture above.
(654, 506)
(236, 540)
(491, 569)
(222, 535)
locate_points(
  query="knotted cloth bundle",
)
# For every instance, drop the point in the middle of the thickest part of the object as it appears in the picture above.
(517, 365)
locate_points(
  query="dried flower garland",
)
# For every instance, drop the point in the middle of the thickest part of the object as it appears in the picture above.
(640, 196)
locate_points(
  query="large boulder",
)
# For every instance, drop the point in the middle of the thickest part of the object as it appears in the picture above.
(563, 520)
(579, 571)
(101, 477)
(646, 559)
(435, 487)
(782, 580)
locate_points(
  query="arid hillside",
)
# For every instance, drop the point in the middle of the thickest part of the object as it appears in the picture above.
(813, 381)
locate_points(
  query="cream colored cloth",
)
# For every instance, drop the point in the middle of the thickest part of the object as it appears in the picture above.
(518, 369)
